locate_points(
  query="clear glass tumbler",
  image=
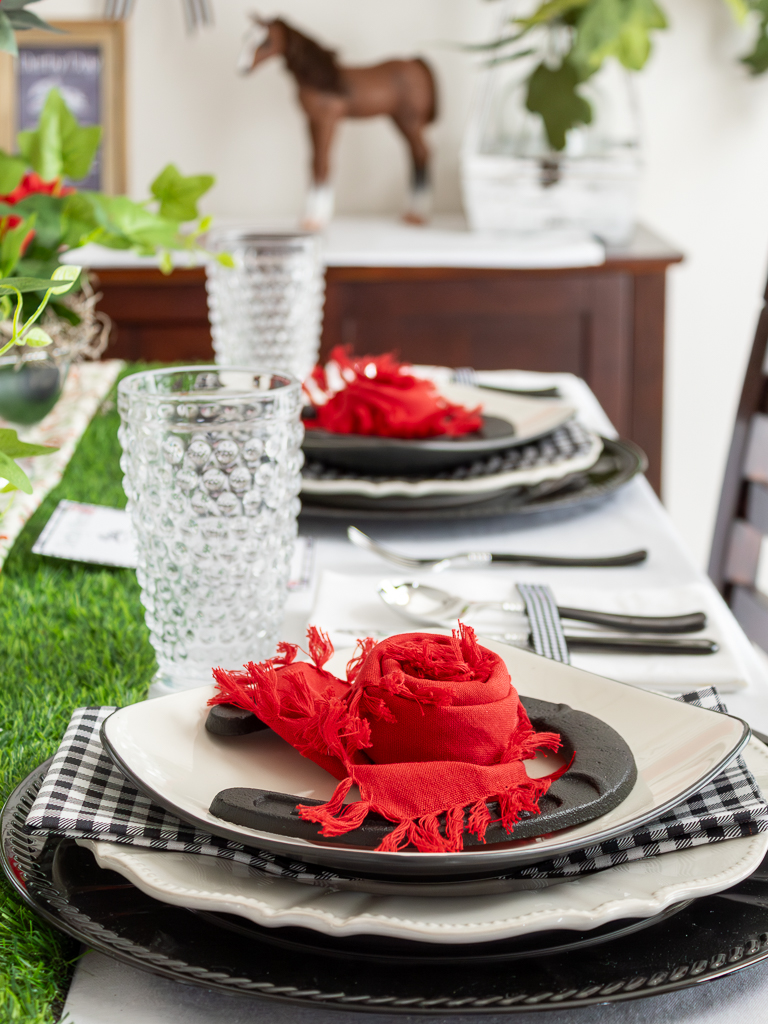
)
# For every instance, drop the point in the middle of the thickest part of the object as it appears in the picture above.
(267, 309)
(211, 462)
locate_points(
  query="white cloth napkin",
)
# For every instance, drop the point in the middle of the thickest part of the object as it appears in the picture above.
(348, 607)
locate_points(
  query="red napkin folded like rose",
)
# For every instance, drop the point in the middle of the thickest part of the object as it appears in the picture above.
(425, 725)
(377, 398)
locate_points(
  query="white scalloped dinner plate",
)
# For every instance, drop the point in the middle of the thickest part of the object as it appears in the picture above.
(479, 485)
(163, 747)
(639, 889)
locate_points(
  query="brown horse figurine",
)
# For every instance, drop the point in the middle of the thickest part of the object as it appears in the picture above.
(402, 89)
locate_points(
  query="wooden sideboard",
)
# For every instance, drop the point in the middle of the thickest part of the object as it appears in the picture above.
(604, 323)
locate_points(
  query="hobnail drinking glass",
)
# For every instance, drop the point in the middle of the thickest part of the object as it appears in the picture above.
(212, 462)
(267, 309)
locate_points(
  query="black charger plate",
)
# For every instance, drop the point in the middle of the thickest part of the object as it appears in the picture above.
(690, 944)
(619, 463)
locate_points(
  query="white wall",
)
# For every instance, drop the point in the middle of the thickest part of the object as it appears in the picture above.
(706, 130)
(706, 126)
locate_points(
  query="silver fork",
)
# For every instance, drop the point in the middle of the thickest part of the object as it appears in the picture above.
(467, 375)
(477, 558)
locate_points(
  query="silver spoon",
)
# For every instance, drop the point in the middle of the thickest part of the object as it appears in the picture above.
(430, 606)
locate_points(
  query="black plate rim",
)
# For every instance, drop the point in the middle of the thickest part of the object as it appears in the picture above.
(418, 458)
(683, 976)
(441, 443)
(465, 444)
(634, 459)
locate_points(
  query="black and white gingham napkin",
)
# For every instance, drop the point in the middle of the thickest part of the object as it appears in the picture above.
(547, 636)
(84, 795)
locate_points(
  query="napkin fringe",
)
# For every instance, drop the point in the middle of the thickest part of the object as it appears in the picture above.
(336, 818)
(373, 395)
(327, 722)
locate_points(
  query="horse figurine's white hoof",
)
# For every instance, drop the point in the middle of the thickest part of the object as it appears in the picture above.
(420, 206)
(307, 224)
(318, 208)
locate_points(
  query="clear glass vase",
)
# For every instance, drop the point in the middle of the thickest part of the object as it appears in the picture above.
(513, 180)
(267, 310)
(212, 471)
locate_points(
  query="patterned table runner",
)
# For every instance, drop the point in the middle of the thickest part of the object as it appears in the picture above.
(86, 387)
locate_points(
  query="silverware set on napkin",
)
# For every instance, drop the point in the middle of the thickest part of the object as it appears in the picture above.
(424, 604)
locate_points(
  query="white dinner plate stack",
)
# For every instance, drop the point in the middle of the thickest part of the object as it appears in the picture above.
(530, 451)
(163, 747)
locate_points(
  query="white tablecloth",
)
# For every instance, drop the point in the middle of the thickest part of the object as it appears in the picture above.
(104, 991)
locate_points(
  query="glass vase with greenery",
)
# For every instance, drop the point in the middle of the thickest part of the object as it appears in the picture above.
(566, 42)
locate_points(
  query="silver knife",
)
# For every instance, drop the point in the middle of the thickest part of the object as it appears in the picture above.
(598, 644)
(619, 644)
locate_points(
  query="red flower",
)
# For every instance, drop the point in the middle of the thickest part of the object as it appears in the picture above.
(8, 223)
(32, 184)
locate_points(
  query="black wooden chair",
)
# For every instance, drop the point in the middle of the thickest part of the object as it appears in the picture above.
(742, 518)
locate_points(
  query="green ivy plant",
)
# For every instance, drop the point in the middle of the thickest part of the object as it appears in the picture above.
(570, 40)
(42, 217)
(52, 218)
(13, 16)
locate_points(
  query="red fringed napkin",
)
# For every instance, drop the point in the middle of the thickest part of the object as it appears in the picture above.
(423, 725)
(373, 396)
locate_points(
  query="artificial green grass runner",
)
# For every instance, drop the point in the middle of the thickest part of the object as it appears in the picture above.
(70, 635)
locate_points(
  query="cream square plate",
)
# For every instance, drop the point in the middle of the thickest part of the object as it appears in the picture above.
(163, 747)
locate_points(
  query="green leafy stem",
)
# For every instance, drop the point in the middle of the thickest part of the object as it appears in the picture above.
(14, 16)
(24, 332)
(12, 448)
